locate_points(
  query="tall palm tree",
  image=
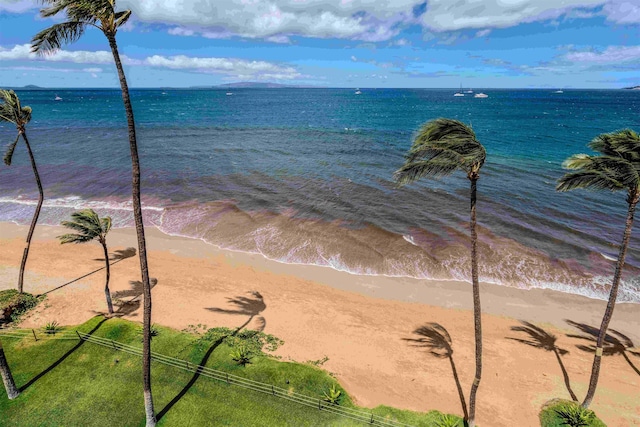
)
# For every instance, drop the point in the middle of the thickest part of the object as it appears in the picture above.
(616, 167)
(102, 15)
(7, 378)
(441, 147)
(90, 227)
(11, 111)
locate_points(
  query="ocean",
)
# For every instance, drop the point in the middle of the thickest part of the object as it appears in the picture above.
(305, 176)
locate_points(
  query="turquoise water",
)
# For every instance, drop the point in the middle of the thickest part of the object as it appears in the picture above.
(304, 176)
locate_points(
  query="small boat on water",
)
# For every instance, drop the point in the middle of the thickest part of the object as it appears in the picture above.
(358, 92)
(229, 93)
(480, 95)
(57, 98)
(559, 91)
(459, 93)
(468, 91)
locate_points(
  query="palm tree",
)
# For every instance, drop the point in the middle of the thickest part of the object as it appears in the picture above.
(90, 227)
(101, 14)
(11, 111)
(617, 167)
(7, 378)
(441, 147)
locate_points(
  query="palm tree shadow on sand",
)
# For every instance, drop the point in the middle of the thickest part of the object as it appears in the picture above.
(245, 306)
(116, 257)
(437, 340)
(615, 342)
(127, 300)
(539, 338)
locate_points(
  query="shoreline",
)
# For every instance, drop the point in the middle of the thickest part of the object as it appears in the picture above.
(361, 323)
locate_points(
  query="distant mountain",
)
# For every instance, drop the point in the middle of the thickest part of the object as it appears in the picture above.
(633, 88)
(251, 85)
(30, 87)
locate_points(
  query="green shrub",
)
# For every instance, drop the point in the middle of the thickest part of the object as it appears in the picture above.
(447, 420)
(14, 304)
(558, 413)
(52, 327)
(333, 395)
(241, 355)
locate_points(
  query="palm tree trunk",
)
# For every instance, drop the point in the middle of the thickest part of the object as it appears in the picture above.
(106, 285)
(7, 378)
(459, 387)
(142, 247)
(476, 305)
(613, 295)
(25, 254)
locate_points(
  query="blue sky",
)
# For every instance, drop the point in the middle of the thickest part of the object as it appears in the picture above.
(341, 43)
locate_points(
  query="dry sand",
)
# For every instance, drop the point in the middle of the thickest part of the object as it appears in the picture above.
(359, 322)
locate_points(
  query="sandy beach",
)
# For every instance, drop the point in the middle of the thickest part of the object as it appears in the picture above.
(360, 323)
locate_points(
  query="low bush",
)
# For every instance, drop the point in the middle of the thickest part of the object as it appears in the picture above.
(14, 304)
(562, 413)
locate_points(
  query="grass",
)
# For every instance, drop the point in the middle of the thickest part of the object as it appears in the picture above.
(89, 385)
(550, 418)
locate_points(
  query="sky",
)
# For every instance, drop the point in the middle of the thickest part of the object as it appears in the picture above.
(339, 43)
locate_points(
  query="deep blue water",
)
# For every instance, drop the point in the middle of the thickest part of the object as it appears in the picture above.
(304, 175)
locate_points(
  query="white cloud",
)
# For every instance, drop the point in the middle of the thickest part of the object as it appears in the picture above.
(16, 6)
(611, 55)
(23, 52)
(241, 68)
(234, 67)
(367, 20)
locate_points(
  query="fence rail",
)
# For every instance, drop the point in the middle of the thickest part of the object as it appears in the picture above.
(229, 379)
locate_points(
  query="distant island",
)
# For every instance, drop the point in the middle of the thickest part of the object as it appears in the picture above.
(633, 88)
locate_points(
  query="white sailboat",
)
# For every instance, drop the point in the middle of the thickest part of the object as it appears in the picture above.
(480, 95)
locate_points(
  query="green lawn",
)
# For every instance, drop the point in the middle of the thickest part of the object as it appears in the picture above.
(72, 383)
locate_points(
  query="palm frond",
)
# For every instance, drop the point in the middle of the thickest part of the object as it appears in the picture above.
(106, 225)
(74, 238)
(8, 156)
(122, 17)
(10, 108)
(440, 147)
(624, 143)
(599, 172)
(53, 38)
(410, 172)
(593, 180)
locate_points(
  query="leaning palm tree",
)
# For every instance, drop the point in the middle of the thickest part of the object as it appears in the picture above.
(7, 378)
(11, 111)
(102, 15)
(441, 147)
(90, 226)
(617, 167)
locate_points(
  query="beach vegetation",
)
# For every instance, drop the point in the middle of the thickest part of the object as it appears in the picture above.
(79, 383)
(560, 413)
(13, 305)
(441, 147)
(616, 167)
(102, 15)
(333, 395)
(241, 355)
(52, 328)
(12, 111)
(89, 227)
(448, 420)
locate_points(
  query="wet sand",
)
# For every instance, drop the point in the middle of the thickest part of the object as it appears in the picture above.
(361, 323)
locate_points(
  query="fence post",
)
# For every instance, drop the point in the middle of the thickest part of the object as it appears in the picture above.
(187, 364)
(34, 334)
(319, 405)
(228, 379)
(371, 418)
(273, 390)
(78, 333)
(114, 345)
